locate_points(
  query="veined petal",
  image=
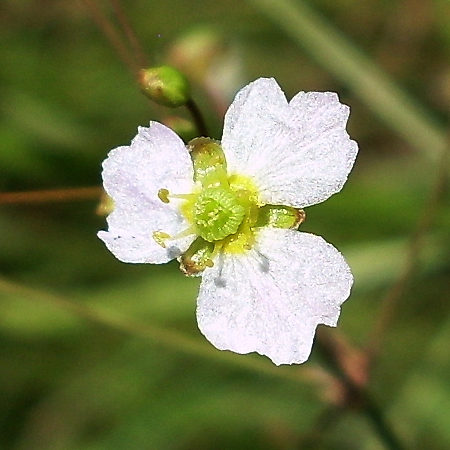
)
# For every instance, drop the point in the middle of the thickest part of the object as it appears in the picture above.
(132, 176)
(271, 299)
(298, 153)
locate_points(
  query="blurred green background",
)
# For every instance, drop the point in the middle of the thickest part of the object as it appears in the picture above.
(97, 354)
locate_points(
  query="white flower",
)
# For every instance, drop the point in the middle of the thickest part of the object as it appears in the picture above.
(265, 286)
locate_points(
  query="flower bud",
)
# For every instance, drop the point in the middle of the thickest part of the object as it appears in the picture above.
(165, 86)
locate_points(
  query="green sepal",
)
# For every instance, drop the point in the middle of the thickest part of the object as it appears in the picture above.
(278, 216)
(197, 257)
(165, 85)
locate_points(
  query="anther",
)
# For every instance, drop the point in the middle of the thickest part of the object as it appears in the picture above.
(163, 195)
(160, 238)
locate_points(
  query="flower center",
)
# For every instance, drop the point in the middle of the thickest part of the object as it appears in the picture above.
(224, 211)
(217, 214)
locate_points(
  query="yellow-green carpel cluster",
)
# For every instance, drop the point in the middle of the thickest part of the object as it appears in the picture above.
(226, 211)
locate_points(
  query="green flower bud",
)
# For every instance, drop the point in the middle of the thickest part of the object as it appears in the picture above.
(165, 86)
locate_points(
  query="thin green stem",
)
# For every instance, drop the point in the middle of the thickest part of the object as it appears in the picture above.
(197, 117)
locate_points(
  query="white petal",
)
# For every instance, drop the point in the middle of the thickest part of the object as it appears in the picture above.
(132, 176)
(271, 299)
(298, 154)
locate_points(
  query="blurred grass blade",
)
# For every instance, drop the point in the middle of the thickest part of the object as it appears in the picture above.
(347, 63)
(378, 264)
(11, 293)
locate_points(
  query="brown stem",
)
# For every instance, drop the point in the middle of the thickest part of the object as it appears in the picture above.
(356, 393)
(391, 300)
(113, 36)
(54, 195)
(138, 52)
